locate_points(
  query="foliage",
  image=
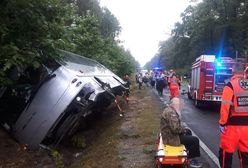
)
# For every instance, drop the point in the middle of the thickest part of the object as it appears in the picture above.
(210, 27)
(78, 141)
(29, 32)
(32, 31)
(110, 27)
(147, 150)
(58, 159)
(122, 157)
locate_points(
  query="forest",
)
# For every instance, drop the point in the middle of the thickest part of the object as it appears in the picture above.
(216, 27)
(32, 31)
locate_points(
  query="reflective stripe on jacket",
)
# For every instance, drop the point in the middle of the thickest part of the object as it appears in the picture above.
(234, 105)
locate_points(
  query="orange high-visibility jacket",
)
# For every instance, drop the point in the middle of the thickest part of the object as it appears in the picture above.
(173, 83)
(234, 105)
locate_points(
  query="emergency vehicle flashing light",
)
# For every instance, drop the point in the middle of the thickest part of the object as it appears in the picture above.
(218, 63)
(208, 77)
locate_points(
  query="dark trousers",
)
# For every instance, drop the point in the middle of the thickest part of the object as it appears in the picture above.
(225, 159)
(191, 143)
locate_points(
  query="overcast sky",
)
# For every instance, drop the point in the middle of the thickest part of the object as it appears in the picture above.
(145, 22)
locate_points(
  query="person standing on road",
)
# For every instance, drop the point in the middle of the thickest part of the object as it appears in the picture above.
(174, 85)
(152, 80)
(140, 80)
(145, 79)
(173, 133)
(234, 119)
(160, 84)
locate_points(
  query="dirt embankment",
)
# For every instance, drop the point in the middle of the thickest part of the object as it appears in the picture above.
(109, 142)
(129, 141)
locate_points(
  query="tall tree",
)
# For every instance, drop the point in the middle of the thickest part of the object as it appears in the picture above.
(29, 32)
(32, 31)
(210, 27)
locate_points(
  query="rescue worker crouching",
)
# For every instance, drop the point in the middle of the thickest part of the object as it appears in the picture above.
(173, 133)
(234, 119)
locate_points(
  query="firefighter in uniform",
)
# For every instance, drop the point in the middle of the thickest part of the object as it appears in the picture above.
(234, 119)
(174, 84)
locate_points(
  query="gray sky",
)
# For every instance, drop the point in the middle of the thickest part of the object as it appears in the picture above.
(145, 22)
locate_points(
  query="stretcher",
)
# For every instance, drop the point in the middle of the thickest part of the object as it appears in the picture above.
(170, 156)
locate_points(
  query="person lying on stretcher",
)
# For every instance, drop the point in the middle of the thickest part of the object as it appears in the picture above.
(174, 134)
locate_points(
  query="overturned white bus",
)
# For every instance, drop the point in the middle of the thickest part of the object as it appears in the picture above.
(47, 104)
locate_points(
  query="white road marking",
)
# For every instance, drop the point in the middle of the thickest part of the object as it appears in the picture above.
(202, 144)
(206, 149)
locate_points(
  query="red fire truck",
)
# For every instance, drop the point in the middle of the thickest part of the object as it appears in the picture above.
(208, 77)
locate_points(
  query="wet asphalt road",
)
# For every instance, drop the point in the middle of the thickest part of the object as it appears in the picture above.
(204, 123)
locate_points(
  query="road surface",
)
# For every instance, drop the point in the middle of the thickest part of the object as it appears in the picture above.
(204, 123)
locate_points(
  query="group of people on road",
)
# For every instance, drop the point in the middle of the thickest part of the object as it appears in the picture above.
(233, 122)
(160, 80)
